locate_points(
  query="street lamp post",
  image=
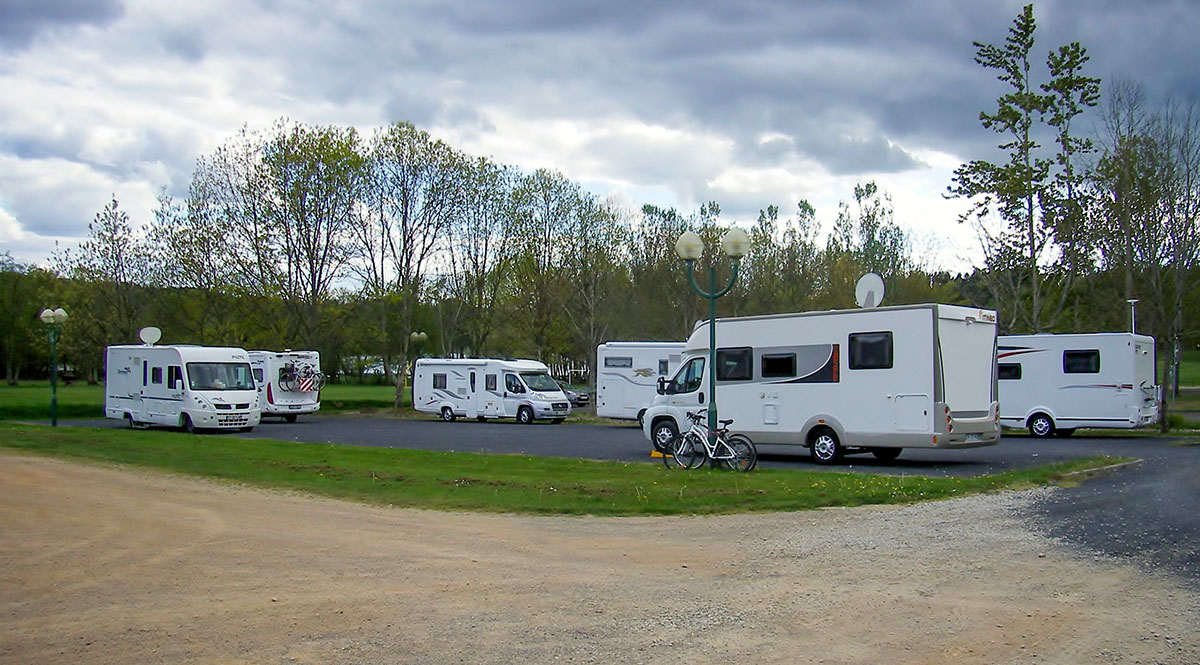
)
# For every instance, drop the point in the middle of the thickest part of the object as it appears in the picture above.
(54, 319)
(689, 247)
(417, 338)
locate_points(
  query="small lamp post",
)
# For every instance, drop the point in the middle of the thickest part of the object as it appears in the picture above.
(54, 319)
(417, 339)
(1132, 314)
(689, 247)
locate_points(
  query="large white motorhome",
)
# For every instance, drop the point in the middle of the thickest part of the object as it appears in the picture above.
(627, 375)
(1055, 383)
(484, 388)
(192, 387)
(878, 380)
(289, 382)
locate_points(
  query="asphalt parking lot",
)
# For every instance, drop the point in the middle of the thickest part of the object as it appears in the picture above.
(1148, 512)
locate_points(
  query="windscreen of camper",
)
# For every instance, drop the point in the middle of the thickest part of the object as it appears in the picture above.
(968, 353)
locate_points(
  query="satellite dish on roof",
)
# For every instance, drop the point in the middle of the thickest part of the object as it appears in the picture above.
(149, 335)
(869, 290)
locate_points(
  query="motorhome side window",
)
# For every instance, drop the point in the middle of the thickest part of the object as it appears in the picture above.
(735, 364)
(618, 361)
(1009, 371)
(1081, 362)
(258, 375)
(174, 376)
(664, 366)
(778, 365)
(156, 375)
(489, 381)
(871, 350)
(439, 381)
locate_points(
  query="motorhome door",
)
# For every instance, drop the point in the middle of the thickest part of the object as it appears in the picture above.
(687, 390)
(514, 393)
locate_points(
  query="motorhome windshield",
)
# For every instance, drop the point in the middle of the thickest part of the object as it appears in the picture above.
(539, 381)
(220, 376)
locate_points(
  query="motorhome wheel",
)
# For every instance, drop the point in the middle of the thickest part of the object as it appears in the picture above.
(291, 417)
(826, 449)
(524, 415)
(1067, 431)
(662, 434)
(558, 421)
(1040, 425)
(448, 414)
(886, 454)
(481, 419)
(188, 425)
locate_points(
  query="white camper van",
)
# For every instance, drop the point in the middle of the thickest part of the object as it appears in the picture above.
(484, 388)
(192, 387)
(627, 375)
(289, 382)
(1053, 384)
(837, 382)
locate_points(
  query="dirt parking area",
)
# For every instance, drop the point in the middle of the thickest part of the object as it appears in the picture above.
(109, 565)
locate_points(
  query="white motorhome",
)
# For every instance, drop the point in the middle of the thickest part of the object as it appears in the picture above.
(289, 382)
(193, 387)
(1055, 383)
(627, 376)
(867, 380)
(484, 388)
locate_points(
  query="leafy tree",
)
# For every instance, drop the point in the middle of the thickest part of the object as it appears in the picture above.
(316, 176)
(23, 295)
(1036, 197)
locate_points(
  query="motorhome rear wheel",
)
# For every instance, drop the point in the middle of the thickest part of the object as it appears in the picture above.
(447, 414)
(826, 449)
(1040, 425)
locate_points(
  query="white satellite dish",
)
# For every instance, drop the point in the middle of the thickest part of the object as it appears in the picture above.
(149, 335)
(869, 290)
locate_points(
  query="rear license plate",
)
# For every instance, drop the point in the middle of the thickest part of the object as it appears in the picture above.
(973, 437)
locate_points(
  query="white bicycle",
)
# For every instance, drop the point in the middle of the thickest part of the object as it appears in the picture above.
(691, 449)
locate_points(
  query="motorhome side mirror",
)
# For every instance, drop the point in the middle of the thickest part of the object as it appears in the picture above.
(662, 385)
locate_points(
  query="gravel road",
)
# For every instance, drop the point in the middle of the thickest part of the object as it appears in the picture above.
(113, 565)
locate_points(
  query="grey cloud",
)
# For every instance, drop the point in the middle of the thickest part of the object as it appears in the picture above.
(22, 21)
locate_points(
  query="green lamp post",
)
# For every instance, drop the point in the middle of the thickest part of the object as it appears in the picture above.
(689, 247)
(54, 319)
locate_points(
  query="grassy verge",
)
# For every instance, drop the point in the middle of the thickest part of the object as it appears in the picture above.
(504, 483)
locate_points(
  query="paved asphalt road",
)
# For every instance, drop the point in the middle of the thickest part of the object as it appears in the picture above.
(1149, 513)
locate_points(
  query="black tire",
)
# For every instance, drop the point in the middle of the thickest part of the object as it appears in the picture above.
(188, 425)
(482, 419)
(745, 455)
(248, 428)
(557, 421)
(129, 421)
(662, 433)
(525, 415)
(886, 454)
(826, 448)
(642, 418)
(668, 454)
(291, 417)
(1068, 431)
(1040, 425)
(448, 414)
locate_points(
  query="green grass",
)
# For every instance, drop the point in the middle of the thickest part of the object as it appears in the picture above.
(31, 400)
(504, 483)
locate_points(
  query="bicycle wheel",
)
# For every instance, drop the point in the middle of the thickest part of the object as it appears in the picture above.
(668, 451)
(744, 456)
(689, 454)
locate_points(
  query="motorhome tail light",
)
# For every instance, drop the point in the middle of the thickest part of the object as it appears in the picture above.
(949, 419)
(270, 397)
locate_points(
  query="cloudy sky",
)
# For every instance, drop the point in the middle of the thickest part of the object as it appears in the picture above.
(743, 102)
